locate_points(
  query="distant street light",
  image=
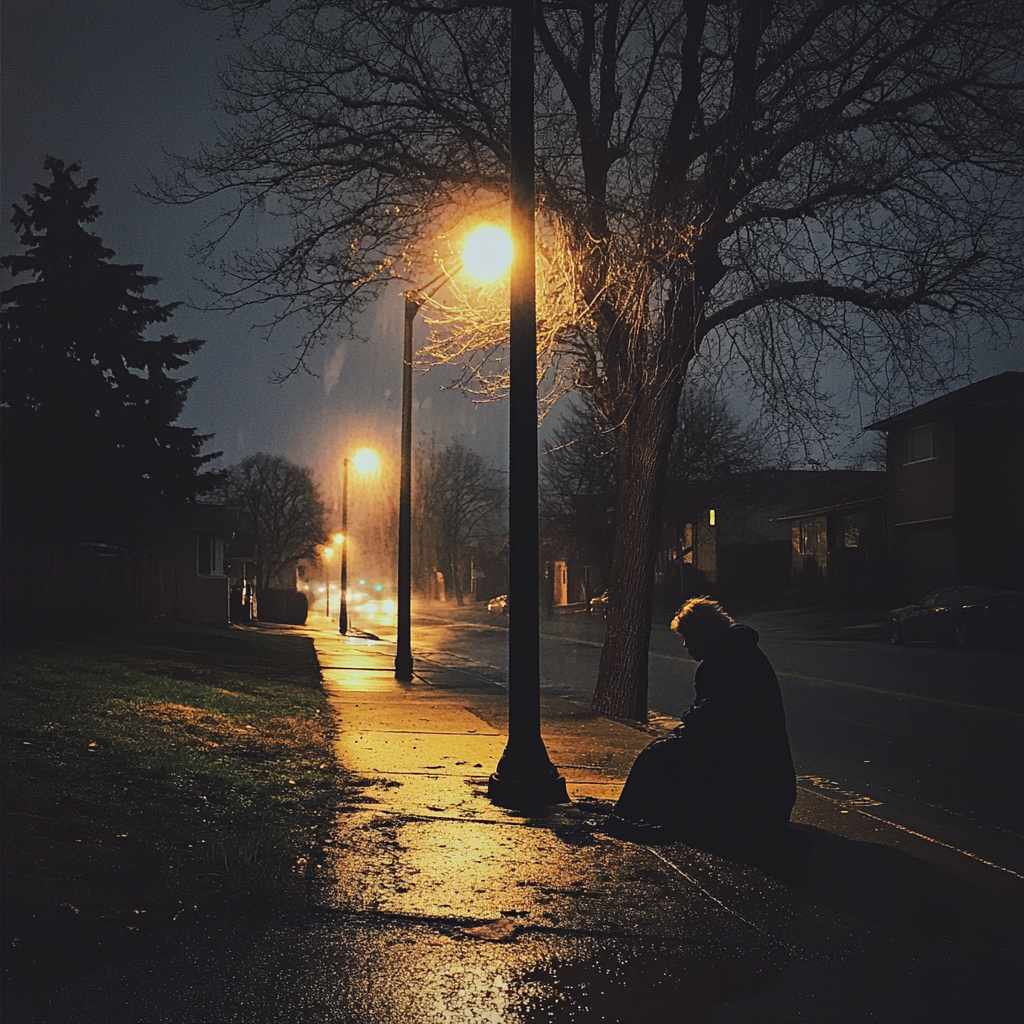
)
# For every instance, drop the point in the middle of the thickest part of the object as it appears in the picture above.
(365, 460)
(328, 554)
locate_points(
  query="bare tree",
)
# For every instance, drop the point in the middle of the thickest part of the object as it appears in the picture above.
(578, 486)
(282, 506)
(710, 442)
(578, 473)
(459, 499)
(785, 184)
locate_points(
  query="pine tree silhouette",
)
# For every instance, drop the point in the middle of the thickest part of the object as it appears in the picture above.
(92, 449)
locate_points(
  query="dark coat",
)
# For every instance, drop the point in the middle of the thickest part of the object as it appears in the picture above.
(727, 771)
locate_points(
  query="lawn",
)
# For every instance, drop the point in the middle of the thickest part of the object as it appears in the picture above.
(157, 777)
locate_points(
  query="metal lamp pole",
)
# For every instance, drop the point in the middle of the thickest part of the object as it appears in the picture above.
(343, 599)
(403, 654)
(525, 776)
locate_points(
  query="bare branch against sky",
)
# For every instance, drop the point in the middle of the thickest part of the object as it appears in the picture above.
(793, 186)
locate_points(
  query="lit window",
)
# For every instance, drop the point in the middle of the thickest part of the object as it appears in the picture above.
(711, 517)
(919, 444)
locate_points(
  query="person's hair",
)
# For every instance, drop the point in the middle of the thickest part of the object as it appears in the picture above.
(705, 613)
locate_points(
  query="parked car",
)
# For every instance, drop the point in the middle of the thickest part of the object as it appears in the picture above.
(964, 616)
(599, 604)
(498, 604)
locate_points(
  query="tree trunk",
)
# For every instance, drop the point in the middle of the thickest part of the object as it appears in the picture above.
(643, 445)
(453, 561)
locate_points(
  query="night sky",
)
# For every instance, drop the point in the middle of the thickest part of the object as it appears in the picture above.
(112, 84)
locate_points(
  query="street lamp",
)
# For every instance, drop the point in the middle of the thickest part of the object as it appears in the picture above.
(328, 554)
(487, 254)
(365, 460)
(525, 776)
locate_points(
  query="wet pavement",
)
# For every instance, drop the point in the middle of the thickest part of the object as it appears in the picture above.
(432, 904)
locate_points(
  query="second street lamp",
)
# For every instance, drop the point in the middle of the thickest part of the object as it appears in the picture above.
(366, 461)
(487, 254)
(328, 554)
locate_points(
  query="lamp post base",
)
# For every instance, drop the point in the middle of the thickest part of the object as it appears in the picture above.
(403, 668)
(526, 778)
(523, 794)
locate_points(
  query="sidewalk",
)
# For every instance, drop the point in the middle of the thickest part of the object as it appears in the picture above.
(496, 915)
(430, 904)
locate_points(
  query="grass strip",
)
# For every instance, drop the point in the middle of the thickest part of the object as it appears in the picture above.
(155, 775)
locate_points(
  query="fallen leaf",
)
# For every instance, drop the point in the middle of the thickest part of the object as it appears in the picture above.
(493, 931)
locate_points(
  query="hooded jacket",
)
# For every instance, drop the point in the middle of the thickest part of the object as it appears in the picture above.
(727, 770)
(737, 730)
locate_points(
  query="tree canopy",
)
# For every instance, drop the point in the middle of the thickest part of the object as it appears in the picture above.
(282, 507)
(92, 447)
(795, 186)
(459, 501)
(579, 488)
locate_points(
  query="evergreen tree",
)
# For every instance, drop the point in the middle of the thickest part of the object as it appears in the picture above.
(92, 449)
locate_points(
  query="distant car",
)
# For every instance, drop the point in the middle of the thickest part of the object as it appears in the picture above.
(599, 604)
(963, 616)
(498, 604)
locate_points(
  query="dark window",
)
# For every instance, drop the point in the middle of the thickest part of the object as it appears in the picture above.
(919, 444)
(209, 556)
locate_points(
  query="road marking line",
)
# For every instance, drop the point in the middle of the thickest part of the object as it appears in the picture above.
(938, 842)
(571, 640)
(903, 828)
(898, 693)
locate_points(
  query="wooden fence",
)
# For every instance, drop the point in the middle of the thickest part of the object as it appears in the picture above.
(54, 585)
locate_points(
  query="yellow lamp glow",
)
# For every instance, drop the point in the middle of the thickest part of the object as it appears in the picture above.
(328, 554)
(366, 460)
(339, 539)
(487, 253)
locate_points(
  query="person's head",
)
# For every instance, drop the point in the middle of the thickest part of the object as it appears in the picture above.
(700, 622)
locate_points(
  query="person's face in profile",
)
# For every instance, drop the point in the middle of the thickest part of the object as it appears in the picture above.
(695, 640)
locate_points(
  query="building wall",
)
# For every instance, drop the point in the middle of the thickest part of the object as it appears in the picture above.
(921, 491)
(211, 601)
(989, 539)
(956, 518)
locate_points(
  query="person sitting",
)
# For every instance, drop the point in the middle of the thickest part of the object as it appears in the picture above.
(724, 781)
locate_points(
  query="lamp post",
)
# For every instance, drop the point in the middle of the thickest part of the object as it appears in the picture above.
(328, 555)
(343, 597)
(525, 776)
(366, 461)
(414, 300)
(403, 653)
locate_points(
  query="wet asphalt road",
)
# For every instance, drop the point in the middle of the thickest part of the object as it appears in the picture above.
(928, 738)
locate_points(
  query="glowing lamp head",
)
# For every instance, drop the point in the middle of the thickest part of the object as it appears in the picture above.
(487, 253)
(339, 539)
(328, 554)
(366, 460)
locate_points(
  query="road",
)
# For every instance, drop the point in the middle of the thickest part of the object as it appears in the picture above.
(926, 738)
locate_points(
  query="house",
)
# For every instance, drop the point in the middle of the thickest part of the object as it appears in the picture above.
(955, 496)
(839, 547)
(193, 550)
(61, 584)
(738, 544)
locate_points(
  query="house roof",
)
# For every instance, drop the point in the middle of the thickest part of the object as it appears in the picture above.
(1004, 387)
(777, 490)
(854, 498)
(207, 517)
